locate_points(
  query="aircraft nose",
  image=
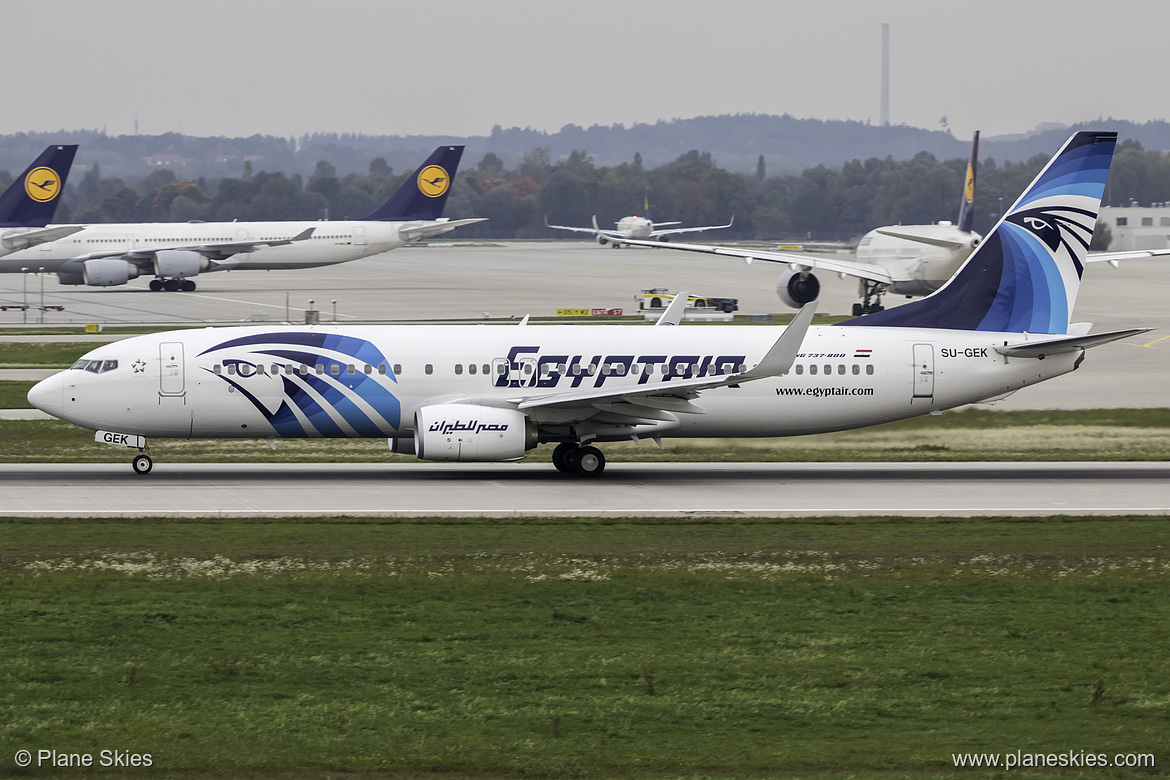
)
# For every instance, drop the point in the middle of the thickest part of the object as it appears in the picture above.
(47, 395)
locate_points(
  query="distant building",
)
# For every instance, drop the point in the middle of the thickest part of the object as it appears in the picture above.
(1138, 227)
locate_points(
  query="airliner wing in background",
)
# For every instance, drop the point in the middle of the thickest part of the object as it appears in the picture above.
(1114, 258)
(847, 267)
(674, 231)
(593, 231)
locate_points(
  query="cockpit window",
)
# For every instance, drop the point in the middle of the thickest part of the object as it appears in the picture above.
(95, 366)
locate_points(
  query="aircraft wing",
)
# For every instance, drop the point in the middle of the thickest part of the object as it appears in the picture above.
(868, 271)
(434, 228)
(211, 251)
(1114, 258)
(673, 231)
(23, 239)
(637, 404)
(593, 231)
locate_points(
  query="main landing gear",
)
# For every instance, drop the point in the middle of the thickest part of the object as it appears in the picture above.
(172, 285)
(871, 298)
(571, 458)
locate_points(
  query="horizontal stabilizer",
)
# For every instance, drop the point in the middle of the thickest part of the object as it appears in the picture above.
(415, 232)
(1043, 349)
(14, 240)
(929, 240)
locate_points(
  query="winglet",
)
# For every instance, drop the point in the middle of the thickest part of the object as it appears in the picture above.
(32, 198)
(783, 353)
(674, 312)
(424, 194)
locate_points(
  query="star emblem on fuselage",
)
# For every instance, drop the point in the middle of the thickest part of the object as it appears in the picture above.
(139, 366)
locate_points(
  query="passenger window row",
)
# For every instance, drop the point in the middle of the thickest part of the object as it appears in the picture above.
(827, 369)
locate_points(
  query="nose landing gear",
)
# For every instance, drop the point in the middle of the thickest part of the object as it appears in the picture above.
(142, 463)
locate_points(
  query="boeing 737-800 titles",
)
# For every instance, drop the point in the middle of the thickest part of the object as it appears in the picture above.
(492, 393)
(173, 253)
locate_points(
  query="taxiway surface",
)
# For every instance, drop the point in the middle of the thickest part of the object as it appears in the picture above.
(625, 490)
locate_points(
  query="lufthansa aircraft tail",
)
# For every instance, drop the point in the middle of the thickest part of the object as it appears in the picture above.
(967, 203)
(31, 200)
(1024, 276)
(424, 194)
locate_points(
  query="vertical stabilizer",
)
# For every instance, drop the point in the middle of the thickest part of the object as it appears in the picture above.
(967, 204)
(31, 200)
(424, 194)
(1025, 274)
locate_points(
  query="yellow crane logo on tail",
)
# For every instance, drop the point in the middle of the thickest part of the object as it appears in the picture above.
(433, 181)
(42, 184)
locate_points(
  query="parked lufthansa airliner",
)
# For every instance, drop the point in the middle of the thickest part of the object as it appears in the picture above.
(492, 393)
(109, 255)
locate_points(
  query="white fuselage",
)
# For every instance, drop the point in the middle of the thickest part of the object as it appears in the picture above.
(240, 382)
(331, 242)
(634, 227)
(917, 268)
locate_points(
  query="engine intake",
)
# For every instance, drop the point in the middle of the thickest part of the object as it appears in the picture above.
(796, 288)
(178, 263)
(466, 432)
(106, 272)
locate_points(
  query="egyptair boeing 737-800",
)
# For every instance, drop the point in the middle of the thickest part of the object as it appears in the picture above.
(109, 255)
(491, 393)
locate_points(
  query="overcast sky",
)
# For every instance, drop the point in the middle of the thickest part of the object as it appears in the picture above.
(458, 67)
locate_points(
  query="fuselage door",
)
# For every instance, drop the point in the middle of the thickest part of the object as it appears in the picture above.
(359, 235)
(923, 371)
(171, 379)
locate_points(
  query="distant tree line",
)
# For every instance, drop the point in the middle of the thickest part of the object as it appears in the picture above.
(821, 203)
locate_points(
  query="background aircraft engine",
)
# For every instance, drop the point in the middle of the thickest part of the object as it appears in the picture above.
(178, 263)
(603, 240)
(797, 289)
(106, 272)
(466, 432)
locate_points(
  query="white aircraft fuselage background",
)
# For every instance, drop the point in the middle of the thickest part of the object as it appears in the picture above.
(917, 268)
(164, 385)
(330, 243)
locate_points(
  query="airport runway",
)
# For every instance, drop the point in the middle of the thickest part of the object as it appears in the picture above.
(497, 281)
(625, 490)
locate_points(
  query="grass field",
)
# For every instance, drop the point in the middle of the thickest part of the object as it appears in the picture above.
(658, 649)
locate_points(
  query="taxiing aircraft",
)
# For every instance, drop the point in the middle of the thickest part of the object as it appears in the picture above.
(638, 228)
(492, 393)
(909, 260)
(29, 203)
(108, 255)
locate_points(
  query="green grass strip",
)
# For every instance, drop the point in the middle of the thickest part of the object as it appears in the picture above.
(795, 648)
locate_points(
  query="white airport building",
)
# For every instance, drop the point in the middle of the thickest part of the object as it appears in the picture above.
(1137, 227)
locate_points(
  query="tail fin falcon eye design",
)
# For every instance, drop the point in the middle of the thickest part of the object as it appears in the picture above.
(1025, 275)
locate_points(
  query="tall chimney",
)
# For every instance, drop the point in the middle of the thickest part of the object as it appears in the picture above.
(885, 74)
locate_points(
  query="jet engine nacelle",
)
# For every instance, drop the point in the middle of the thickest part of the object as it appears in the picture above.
(178, 263)
(106, 272)
(796, 288)
(602, 240)
(466, 432)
